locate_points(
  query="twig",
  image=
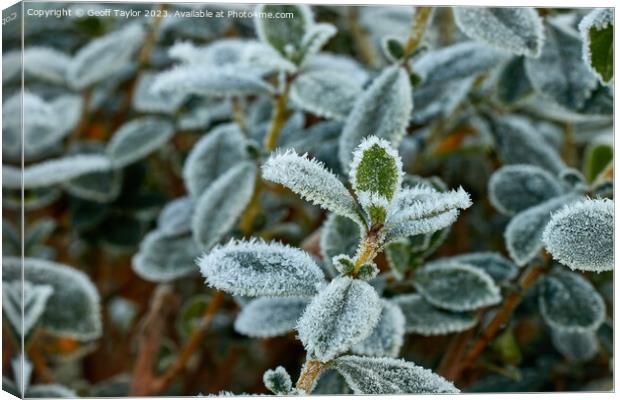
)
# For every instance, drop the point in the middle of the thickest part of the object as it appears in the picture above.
(529, 277)
(418, 27)
(83, 121)
(278, 117)
(362, 44)
(309, 374)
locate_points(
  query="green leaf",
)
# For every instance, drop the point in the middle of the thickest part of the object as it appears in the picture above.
(367, 375)
(190, 317)
(524, 232)
(569, 303)
(398, 255)
(513, 83)
(456, 286)
(137, 139)
(514, 188)
(388, 336)
(342, 314)
(83, 319)
(599, 154)
(222, 203)
(423, 318)
(284, 34)
(254, 268)
(393, 48)
(163, 258)
(278, 381)
(382, 110)
(518, 30)
(270, 316)
(580, 236)
(597, 32)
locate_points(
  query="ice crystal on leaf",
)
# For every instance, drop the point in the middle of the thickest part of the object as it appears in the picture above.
(423, 318)
(34, 300)
(138, 138)
(82, 320)
(514, 188)
(270, 316)
(256, 268)
(278, 381)
(382, 110)
(524, 232)
(316, 36)
(597, 33)
(456, 286)
(342, 314)
(515, 29)
(414, 204)
(284, 35)
(366, 375)
(580, 235)
(311, 181)
(569, 303)
(388, 335)
(222, 203)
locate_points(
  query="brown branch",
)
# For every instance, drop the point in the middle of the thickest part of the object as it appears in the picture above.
(418, 27)
(529, 277)
(309, 374)
(278, 117)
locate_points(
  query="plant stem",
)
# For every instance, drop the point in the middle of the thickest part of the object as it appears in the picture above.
(309, 374)
(83, 121)
(418, 27)
(529, 277)
(362, 44)
(278, 117)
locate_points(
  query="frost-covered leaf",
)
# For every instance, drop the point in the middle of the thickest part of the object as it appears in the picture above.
(83, 319)
(46, 63)
(215, 82)
(285, 35)
(418, 203)
(560, 73)
(407, 228)
(518, 142)
(215, 54)
(309, 179)
(215, 153)
(339, 235)
(34, 300)
(138, 138)
(315, 38)
(52, 172)
(376, 168)
(163, 258)
(423, 318)
(331, 382)
(254, 268)
(342, 314)
(175, 218)
(456, 286)
(382, 110)
(369, 375)
(337, 62)
(568, 302)
(270, 316)
(393, 48)
(146, 100)
(597, 33)
(328, 94)
(524, 232)
(104, 56)
(599, 154)
(387, 337)
(50, 391)
(222, 203)
(456, 62)
(576, 346)
(497, 266)
(514, 188)
(581, 236)
(513, 83)
(439, 98)
(278, 381)
(515, 29)
(101, 187)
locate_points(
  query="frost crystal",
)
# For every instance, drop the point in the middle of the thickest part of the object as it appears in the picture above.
(393, 232)
(416, 206)
(138, 138)
(366, 375)
(455, 286)
(219, 207)
(269, 317)
(309, 179)
(382, 110)
(524, 232)
(569, 303)
(163, 258)
(342, 314)
(387, 337)
(423, 318)
(215, 153)
(256, 268)
(516, 29)
(34, 300)
(105, 56)
(514, 188)
(597, 32)
(278, 381)
(328, 94)
(580, 235)
(82, 320)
